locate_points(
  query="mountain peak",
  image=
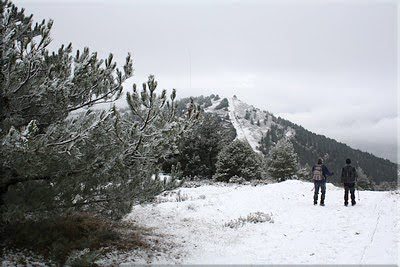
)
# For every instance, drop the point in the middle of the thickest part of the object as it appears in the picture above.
(250, 123)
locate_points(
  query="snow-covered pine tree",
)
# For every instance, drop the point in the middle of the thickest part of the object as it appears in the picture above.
(239, 159)
(363, 181)
(33, 78)
(282, 160)
(198, 149)
(247, 115)
(223, 104)
(304, 172)
(52, 161)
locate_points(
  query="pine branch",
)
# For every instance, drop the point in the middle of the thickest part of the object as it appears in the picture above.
(28, 76)
(147, 117)
(90, 202)
(92, 102)
(67, 141)
(79, 136)
(134, 110)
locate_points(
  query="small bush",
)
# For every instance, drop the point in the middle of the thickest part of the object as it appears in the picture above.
(256, 217)
(257, 182)
(181, 197)
(236, 179)
(172, 196)
(192, 207)
(59, 238)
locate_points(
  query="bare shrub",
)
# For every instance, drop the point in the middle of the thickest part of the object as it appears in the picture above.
(256, 217)
(236, 179)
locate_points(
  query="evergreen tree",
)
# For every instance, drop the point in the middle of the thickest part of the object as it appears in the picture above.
(247, 115)
(198, 149)
(176, 171)
(304, 173)
(239, 159)
(283, 161)
(363, 181)
(223, 104)
(207, 102)
(96, 161)
(270, 139)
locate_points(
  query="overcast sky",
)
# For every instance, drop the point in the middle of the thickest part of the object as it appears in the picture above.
(330, 66)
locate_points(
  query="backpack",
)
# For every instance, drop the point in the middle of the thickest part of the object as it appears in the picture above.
(348, 174)
(317, 173)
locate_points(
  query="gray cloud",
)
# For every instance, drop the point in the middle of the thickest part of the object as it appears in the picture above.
(330, 66)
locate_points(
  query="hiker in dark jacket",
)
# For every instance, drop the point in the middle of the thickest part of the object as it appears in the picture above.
(349, 178)
(319, 174)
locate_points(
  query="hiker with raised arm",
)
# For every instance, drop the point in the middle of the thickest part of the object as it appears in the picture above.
(349, 178)
(319, 174)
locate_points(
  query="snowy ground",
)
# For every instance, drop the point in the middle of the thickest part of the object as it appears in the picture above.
(300, 233)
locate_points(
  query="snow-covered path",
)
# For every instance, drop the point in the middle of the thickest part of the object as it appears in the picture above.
(301, 233)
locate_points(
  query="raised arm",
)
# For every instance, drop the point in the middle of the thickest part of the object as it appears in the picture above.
(326, 172)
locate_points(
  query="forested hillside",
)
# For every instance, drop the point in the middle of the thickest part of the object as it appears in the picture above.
(308, 145)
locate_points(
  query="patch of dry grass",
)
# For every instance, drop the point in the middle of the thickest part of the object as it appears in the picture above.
(57, 238)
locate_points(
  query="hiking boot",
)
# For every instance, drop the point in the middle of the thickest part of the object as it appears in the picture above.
(346, 204)
(322, 204)
(353, 203)
(315, 203)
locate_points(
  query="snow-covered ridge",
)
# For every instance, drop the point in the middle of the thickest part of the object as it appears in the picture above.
(245, 130)
(250, 122)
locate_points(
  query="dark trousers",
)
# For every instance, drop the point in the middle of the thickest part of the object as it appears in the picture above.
(349, 187)
(317, 186)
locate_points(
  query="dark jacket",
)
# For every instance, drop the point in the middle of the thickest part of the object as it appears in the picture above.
(325, 171)
(349, 174)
